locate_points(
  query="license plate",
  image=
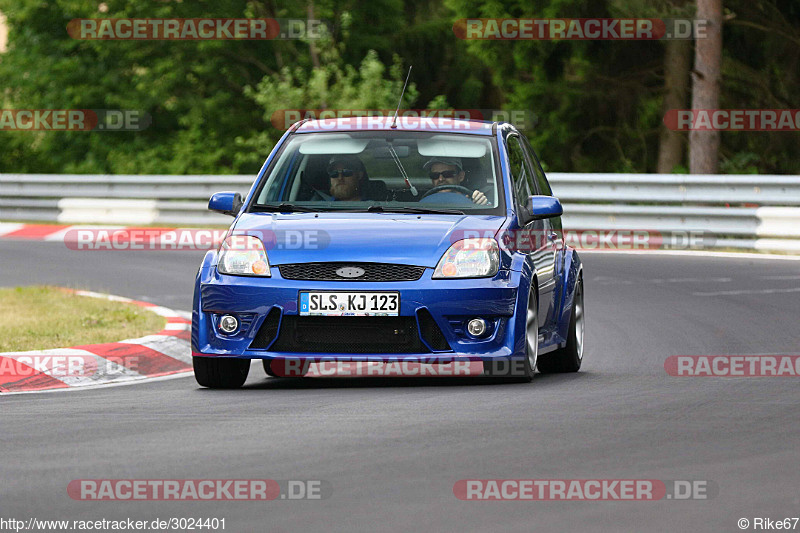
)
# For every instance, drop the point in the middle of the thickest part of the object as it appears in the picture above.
(350, 303)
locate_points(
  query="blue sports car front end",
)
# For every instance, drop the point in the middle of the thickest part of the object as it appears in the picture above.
(353, 268)
(432, 317)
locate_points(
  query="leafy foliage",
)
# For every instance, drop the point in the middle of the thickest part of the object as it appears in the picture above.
(599, 103)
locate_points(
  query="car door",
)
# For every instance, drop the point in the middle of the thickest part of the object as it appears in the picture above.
(553, 228)
(539, 244)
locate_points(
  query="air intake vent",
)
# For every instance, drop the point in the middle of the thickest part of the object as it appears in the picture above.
(268, 330)
(347, 334)
(431, 333)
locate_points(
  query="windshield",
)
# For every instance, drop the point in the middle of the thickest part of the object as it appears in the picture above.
(383, 171)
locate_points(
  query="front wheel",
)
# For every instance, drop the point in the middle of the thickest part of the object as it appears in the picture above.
(220, 373)
(570, 357)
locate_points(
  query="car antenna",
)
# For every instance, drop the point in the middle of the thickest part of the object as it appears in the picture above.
(394, 120)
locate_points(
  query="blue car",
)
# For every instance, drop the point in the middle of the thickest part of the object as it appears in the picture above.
(435, 241)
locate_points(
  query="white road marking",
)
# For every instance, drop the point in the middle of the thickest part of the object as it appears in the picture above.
(697, 253)
(692, 280)
(747, 291)
(603, 280)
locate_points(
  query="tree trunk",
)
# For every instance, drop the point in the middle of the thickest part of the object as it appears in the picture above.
(704, 145)
(677, 63)
(312, 49)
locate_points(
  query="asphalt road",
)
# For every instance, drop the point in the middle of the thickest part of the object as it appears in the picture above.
(392, 449)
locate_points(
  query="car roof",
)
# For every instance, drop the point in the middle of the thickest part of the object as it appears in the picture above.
(429, 124)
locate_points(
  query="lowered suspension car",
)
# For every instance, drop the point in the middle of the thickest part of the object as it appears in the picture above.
(363, 239)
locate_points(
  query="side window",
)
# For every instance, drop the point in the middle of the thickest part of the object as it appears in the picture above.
(541, 181)
(520, 170)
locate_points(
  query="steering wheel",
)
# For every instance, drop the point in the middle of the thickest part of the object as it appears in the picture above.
(441, 188)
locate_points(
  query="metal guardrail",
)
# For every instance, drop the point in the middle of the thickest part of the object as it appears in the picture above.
(678, 188)
(743, 211)
(754, 212)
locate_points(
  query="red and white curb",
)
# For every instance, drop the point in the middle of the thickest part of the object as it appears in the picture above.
(166, 353)
(33, 232)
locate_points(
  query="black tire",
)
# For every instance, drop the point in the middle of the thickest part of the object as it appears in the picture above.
(267, 368)
(295, 373)
(520, 369)
(570, 357)
(220, 373)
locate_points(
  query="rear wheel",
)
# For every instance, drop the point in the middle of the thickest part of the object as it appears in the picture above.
(521, 369)
(570, 357)
(220, 373)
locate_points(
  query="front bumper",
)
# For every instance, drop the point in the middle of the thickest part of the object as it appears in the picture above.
(270, 305)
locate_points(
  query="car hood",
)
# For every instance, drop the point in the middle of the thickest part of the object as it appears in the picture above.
(408, 239)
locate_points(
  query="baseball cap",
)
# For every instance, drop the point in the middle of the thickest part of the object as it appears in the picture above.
(454, 161)
(347, 159)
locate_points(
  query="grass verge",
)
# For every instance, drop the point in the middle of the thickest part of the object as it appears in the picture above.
(40, 318)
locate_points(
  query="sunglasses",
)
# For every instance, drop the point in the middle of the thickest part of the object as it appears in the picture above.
(345, 172)
(446, 174)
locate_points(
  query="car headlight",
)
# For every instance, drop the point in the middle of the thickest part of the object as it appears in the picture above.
(469, 258)
(243, 255)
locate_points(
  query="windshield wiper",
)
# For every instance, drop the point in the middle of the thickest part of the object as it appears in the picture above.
(285, 208)
(418, 210)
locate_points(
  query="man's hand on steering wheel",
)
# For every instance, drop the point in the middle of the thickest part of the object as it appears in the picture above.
(476, 196)
(479, 198)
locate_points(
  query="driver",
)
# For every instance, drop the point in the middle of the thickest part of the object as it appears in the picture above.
(348, 178)
(449, 171)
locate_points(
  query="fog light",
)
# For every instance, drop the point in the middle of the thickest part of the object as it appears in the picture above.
(476, 327)
(228, 324)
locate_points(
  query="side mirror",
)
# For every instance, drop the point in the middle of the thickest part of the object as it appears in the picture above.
(540, 207)
(227, 203)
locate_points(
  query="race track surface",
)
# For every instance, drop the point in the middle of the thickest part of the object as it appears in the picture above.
(392, 449)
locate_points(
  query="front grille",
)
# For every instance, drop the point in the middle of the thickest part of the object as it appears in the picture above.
(372, 272)
(349, 334)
